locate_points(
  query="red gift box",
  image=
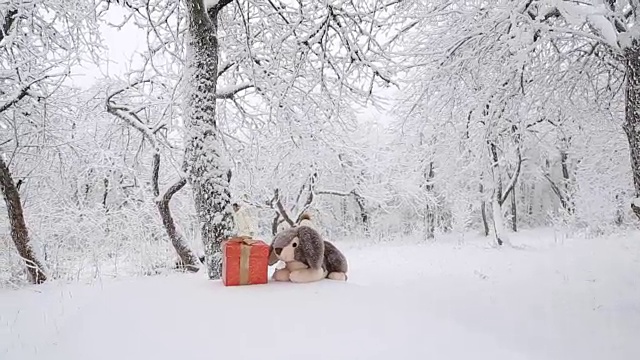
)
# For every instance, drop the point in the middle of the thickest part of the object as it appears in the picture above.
(244, 262)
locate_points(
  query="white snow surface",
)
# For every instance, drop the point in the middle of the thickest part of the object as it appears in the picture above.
(549, 297)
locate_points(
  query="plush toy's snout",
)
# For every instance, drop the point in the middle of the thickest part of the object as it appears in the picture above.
(284, 245)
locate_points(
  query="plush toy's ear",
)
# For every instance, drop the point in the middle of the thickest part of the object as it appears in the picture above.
(272, 256)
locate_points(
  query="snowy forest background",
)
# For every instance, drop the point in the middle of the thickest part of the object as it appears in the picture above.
(386, 119)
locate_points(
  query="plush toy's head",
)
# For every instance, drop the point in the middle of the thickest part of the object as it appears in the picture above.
(301, 244)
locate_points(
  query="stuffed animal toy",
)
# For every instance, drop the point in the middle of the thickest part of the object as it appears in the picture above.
(307, 257)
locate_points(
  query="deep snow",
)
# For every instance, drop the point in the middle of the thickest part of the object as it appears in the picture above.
(554, 298)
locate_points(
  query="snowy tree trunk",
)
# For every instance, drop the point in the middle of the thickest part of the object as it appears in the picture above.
(430, 222)
(430, 210)
(187, 259)
(567, 199)
(498, 220)
(497, 198)
(364, 215)
(208, 172)
(514, 211)
(19, 232)
(274, 224)
(483, 210)
(632, 117)
(344, 209)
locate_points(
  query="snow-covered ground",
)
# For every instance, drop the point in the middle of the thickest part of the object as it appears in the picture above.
(552, 298)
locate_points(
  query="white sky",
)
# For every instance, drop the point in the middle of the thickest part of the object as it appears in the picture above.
(122, 45)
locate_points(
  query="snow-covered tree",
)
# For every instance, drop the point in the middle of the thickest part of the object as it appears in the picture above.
(40, 41)
(612, 25)
(139, 117)
(501, 80)
(284, 63)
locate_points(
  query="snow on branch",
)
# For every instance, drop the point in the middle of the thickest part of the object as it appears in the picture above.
(335, 193)
(210, 3)
(230, 92)
(127, 114)
(21, 94)
(357, 197)
(223, 68)
(215, 5)
(353, 193)
(605, 27)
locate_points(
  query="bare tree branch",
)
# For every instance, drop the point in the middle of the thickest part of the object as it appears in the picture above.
(280, 208)
(225, 67)
(130, 117)
(155, 174)
(308, 201)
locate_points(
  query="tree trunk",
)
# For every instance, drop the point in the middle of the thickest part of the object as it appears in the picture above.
(430, 225)
(275, 223)
(495, 172)
(344, 209)
(430, 215)
(19, 232)
(514, 211)
(208, 172)
(187, 259)
(483, 210)
(496, 198)
(105, 194)
(498, 220)
(568, 196)
(364, 215)
(632, 117)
